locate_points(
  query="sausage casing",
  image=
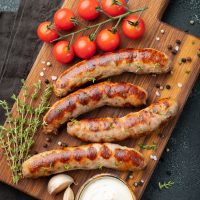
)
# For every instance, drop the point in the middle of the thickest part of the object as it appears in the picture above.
(95, 96)
(92, 156)
(133, 125)
(138, 61)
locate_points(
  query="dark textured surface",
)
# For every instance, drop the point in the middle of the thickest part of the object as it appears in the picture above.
(180, 164)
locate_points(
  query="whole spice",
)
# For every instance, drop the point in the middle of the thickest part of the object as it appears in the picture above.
(170, 47)
(165, 185)
(46, 81)
(168, 87)
(16, 138)
(178, 42)
(174, 51)
(189, 59)
(157, 85)
(183, 60)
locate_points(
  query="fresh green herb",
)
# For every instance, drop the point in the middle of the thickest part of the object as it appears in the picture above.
(139, 68)
(157, 65)
(67, 167)
(198, 53)
(111, 125)
(148, 147)
(16, 138)
(193, 43)
(92, 79)
(100, 166)
(74, 121)
(165, 185)
(187, 71)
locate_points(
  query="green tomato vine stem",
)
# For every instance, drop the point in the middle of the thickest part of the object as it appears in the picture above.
(101, 23)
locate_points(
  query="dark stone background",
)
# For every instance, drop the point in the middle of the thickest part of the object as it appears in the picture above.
(18, 49)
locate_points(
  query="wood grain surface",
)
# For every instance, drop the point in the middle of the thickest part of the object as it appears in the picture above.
(188, 47)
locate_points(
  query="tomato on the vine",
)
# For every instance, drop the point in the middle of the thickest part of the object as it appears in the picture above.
(84, 47)
(87, 9)
(62, 52)
(108, 40)
(133, 27)
(62, 19)
(113, 9)
(46, 32)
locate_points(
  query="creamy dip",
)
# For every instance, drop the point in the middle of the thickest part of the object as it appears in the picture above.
(106, 188)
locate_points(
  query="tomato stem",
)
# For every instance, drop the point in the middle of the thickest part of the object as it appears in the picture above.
(114, 29)
(101, 23)
(119, 3)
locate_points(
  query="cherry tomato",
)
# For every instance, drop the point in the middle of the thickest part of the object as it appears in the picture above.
(87, 9)
(62, 19)
(84, 47)
(46, 32)
(133, 27)
(62, 53)
(113, 10)
(107, 40)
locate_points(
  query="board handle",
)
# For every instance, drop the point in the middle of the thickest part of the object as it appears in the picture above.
(155, 9)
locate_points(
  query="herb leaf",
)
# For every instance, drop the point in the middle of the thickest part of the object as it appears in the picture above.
(148, 147)
(165, 185)
(16, 138)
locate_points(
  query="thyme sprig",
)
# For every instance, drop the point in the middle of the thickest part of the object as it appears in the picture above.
(16, 138)
(148, 147)
(165, 185)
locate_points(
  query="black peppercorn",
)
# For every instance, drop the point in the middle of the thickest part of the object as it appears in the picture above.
(169, 47)
(45, 145)
(178, 42)
(183, 60)
(47, 81)
(189, 59)
(168, 87)
(157, 85)
(174, 51)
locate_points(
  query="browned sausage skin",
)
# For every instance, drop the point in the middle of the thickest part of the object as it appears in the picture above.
(95, 96)
(92, 156)
(133, 125)
(138, 61)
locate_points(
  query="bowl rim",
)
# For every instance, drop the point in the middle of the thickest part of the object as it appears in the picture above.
(98, 176)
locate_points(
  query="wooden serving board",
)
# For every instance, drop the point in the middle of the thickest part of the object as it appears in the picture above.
(189, 46)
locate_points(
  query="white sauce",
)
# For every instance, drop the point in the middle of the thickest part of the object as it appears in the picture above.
(106, 188)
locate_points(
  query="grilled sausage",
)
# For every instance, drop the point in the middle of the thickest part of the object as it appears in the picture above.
(92, 156)
(95, 96)
(133, 125)
(138, 61)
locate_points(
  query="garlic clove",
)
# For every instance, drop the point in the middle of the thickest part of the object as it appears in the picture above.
(59, 182)
(68, 194)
